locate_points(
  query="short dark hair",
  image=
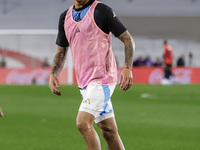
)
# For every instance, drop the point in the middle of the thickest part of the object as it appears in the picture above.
(165, 41)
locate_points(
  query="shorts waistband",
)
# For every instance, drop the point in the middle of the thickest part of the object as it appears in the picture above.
(83, 88)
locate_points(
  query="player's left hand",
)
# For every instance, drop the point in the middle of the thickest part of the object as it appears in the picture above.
(126, 79)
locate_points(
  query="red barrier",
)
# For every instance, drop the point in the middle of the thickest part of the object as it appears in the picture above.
(154, 75)
(29, 76)
(140, 75)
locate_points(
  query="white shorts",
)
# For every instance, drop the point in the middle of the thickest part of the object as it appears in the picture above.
(96, 101)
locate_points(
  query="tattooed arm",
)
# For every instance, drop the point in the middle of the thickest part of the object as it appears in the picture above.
(57, 66)
(129, 48)
(126, 76)
(59, 60)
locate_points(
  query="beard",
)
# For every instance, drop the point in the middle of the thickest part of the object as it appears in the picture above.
(79, 1)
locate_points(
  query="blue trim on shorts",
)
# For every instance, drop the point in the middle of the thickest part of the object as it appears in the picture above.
(83, 88)
(111, 111)
(106, 91)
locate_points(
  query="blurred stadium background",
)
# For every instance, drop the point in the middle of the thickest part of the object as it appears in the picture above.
(159, 117)
(28, 33)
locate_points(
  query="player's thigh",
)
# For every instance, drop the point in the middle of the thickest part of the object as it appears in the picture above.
(84, 118)
(108, 125)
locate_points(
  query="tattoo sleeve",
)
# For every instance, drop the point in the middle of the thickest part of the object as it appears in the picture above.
(59, 60)
(129, 48)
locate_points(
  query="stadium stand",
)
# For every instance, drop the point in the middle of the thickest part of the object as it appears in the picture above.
(27, 61)
(148, 23)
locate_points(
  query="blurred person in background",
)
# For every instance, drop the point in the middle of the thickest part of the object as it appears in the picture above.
(45, 62)
(190, 59)
(147, 61)
(168, 61)
(138, 62)
(181, 61)
(3, 62)
(86, 27)
(157, 63)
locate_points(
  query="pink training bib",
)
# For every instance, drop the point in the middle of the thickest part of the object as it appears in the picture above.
(91, 50)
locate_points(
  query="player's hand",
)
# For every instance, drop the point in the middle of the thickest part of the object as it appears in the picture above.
(53, 83)
(126, 79)
(1, 113)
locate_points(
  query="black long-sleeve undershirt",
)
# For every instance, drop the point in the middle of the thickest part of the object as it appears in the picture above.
(104, 17)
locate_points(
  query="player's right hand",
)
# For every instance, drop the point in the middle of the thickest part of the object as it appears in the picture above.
(126, 79)
(53, 83)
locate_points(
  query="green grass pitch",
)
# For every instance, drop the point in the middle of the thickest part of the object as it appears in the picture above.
(149, 117)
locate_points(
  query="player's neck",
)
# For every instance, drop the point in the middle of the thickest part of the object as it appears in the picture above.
(80, 3)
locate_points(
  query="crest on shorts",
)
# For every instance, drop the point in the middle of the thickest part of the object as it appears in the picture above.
(87, 101)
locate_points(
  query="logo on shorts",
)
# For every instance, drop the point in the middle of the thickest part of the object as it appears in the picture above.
(86, 101)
